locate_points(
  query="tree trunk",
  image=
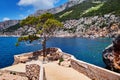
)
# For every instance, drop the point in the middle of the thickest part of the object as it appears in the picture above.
(44, 48)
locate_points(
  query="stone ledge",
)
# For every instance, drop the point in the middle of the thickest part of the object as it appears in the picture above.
(92, 71)
(26, 57)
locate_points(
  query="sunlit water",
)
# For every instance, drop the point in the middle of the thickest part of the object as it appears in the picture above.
(88, 50)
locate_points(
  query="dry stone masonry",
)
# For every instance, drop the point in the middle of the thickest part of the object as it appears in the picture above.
(92, 71)
(33, 71)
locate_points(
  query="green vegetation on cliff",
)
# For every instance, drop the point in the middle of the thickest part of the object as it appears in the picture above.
(90, 8)
(12, 28)
(85, 9)
(110, 6)
(76, 11)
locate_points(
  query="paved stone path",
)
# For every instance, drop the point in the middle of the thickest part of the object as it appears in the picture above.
(55, 72)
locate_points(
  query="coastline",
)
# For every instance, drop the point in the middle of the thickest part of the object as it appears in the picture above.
(9, 35)
(64, 36)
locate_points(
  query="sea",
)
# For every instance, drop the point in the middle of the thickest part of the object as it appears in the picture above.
(85, 49)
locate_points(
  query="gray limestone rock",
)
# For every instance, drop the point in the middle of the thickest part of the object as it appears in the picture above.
(111, 55)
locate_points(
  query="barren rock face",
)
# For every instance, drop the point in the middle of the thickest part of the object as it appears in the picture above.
(58, 9)
(6, 24)
(111, 55)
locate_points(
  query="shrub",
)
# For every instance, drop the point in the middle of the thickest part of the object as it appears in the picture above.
(60, 60)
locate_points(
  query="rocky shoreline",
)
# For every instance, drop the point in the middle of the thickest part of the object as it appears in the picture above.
(111, 55)
(92, 27)
(9, 35)
(88, 27)
(60, 36)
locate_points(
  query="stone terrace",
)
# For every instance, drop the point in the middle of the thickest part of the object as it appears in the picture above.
(59, 66)
(53, 71)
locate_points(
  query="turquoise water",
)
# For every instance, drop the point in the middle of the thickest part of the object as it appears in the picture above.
(88, 50)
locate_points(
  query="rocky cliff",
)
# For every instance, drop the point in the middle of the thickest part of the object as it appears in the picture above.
(69, 4)
(9, 23)
(111, 55)
(92, 27)
(6, 24)
(105, 25)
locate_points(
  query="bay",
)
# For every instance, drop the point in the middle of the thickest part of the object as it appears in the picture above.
(85, 49)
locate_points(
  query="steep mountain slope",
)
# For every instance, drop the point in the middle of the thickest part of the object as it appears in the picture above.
(89, 18)
(7, 24)
(110, 6)
(90, 8)
(12, 28)
(55, 10)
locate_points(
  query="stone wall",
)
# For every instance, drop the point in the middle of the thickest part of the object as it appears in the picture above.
(93, 72)
(36, 71)
(23, 58)
(33, 71)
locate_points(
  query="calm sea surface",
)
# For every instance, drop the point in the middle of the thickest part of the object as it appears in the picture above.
(88, 50)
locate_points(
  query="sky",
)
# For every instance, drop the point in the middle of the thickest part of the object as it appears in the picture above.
(19, 9)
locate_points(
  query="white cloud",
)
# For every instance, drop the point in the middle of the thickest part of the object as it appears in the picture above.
(38, 4)
(6, 19)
